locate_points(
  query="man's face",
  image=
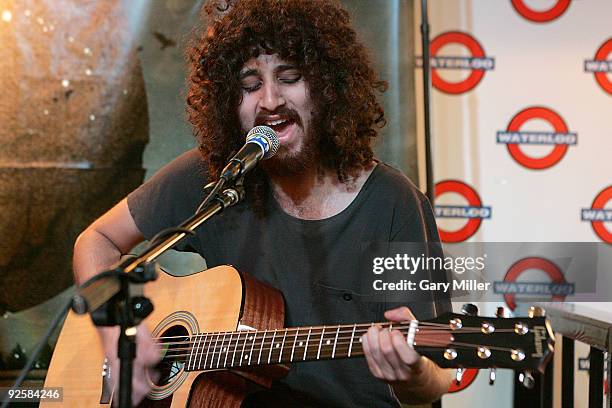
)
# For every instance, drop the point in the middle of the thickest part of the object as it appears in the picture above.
(275, 94)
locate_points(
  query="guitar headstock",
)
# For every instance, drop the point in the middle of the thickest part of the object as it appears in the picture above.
(468, 341)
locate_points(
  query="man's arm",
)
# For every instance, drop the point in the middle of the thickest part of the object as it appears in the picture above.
(414, 378)
(103, 243)
(98, 248)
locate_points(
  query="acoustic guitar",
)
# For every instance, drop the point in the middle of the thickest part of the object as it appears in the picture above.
(227, 328)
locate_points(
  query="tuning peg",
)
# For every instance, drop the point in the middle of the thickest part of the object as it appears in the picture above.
(492, 375)
(459, 375)
(501, 312)
(527, 379)
(536, 311)
(469, 309)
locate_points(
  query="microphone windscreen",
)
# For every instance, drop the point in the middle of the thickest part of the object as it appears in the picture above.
(266, 138)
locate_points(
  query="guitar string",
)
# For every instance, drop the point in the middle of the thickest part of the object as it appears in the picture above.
(343, 343)
(348, 326)
(265, 346)
(399, 325)
(204, 337)
(259, 343)
(357, 351)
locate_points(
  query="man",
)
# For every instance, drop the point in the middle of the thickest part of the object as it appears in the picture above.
(296, 66)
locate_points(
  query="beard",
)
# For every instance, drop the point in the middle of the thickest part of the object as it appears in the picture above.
(286, 162)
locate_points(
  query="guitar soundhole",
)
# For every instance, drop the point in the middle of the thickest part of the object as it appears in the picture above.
(175, 345)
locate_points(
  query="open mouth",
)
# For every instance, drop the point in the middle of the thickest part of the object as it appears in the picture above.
(280, 125)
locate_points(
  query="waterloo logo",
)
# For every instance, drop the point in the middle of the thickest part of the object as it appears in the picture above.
(601, 66)
(469, 376)
(476, 64)
(557, 287)
(540, 16)
(598, 215)
(561, 138)
(474, 211)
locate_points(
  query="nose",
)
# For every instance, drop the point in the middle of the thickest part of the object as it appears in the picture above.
(271, 97)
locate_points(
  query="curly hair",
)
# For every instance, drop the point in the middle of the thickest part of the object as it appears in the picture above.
(317, 37)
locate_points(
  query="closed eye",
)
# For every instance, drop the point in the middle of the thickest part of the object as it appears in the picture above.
(251, 86)
(290, 78)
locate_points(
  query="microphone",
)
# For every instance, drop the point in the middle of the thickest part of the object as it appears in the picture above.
(261, 143)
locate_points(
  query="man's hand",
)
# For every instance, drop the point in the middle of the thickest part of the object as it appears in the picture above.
(388, 355)
(415, 379)
(148, 354)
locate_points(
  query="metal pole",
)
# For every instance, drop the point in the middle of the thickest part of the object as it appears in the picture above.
(567, 373)
(426, 112)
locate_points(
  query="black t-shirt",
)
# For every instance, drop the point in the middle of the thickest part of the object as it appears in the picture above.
(314, 263)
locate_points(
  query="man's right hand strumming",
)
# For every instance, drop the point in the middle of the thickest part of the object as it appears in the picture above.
(98, 248)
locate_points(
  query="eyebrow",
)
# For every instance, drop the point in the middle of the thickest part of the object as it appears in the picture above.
(254, 71)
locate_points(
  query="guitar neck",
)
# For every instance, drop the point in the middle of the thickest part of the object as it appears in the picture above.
(222, 350)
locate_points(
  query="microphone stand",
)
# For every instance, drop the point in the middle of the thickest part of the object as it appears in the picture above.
(425, 45)
(107, 295)
(426, 102)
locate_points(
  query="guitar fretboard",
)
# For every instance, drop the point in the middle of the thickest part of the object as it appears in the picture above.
(223, 350)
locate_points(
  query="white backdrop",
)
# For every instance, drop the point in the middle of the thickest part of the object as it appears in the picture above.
(538, 83)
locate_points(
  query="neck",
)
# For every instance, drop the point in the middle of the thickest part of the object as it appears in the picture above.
(316, 193)
(297, 189)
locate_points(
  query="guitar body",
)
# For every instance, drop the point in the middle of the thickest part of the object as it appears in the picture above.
(215, 300)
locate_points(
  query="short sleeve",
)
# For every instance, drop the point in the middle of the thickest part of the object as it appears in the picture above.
(170, 197)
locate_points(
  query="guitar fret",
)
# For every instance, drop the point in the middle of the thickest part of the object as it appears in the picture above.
(335, 342)
(207, 351)
(229, 343)
(235, 348)
(243, 347)
(282, 347)
(294, 342)
(200, 351)
(271, 346)
(193, 349)
(307, 339)
(351, 342)
(196, 352)
(214, 351)
(220, 350)
(261, 348)
(320, 342)
(252, 347)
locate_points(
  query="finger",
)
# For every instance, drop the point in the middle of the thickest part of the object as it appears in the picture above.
(399, 314)
(405, 353)
(148, 349)
(387, 346)
(141, 384)
(374, 368)
(374, 334)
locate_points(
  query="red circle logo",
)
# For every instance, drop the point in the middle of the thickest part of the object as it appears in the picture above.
(514, 127)
(597, 215)
(544, 16)
(478, 63)
(542, 264)
(474, 211)
(601, 77)
(469, 376)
